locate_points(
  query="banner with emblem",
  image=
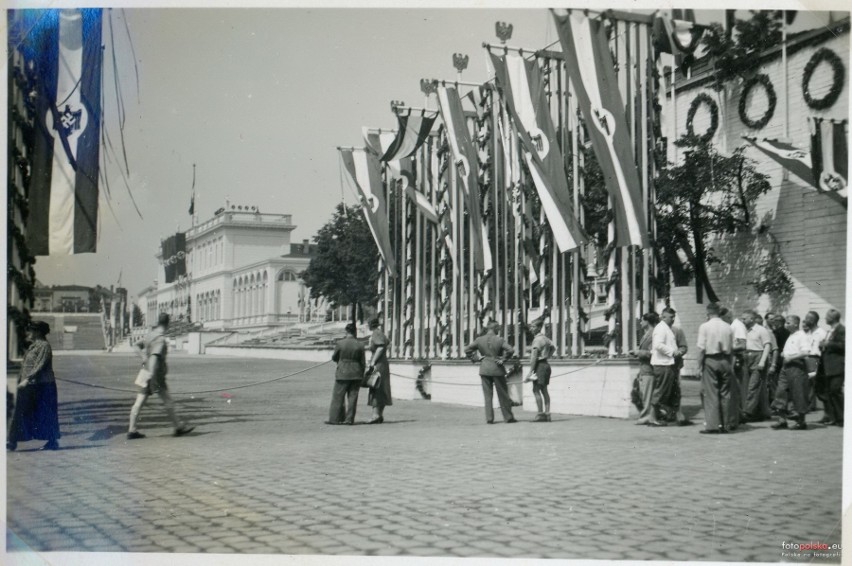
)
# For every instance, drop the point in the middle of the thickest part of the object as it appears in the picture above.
(591, 70)
(822, 168)
(523, 90)
(63, 194)
(364, 169)
(830, 156)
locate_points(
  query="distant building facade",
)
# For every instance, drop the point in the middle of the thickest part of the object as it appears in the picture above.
(242, 272)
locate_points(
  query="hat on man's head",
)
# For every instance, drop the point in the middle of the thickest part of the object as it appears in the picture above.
(40, 327)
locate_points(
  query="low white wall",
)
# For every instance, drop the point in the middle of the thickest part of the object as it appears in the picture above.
(294, 354)
(197, 341)
(404, 379)
(578, 387)
(590, 387)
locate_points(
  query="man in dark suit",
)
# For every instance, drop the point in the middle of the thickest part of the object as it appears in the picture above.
(494, 351)
(351, 362)
(833, 358)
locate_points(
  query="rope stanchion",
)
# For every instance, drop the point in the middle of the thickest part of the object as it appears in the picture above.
(478, 385)
(196, 392)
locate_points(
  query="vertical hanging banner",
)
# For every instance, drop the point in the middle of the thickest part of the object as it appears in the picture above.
(64, 185)
(830, 157)
(467, 163)
(413, 131)
(365, 171)
(592, 73)
(523, 90)
(168, 252)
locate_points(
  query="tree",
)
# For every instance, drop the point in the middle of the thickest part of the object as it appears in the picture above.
(738, 56)
(708, 194)
(344, 267)
(138, 319)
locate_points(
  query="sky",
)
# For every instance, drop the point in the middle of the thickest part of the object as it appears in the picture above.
(259, 99)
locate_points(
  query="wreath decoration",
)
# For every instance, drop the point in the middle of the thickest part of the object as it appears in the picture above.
(830, 57)
(703, 98)
(762, 80)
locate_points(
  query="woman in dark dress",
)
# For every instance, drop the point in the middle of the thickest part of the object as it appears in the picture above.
(36, 414)
(380, 396)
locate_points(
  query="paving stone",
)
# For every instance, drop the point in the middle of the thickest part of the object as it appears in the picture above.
(279, 489)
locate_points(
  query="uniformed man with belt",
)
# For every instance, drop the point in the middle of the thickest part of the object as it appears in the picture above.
(494, 351)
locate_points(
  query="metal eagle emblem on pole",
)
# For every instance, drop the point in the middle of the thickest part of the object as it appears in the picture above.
(460, 63)
(504, 31)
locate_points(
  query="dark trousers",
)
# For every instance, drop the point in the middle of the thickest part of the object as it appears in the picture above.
(717, 381)
(344, 397)
(792, 383)
(488, 384)
(664, 377)
(834, 398)
(756, 404)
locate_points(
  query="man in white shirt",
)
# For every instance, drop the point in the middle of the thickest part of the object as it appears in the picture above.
(738, 388)
(715, 342)
(793, 380)
(663, 349)
(758, 346)
(815, 334)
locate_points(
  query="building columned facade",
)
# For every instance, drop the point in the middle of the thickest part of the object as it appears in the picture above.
(242, 272)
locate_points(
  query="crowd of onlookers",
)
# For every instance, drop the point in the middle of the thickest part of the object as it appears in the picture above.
(752, 369)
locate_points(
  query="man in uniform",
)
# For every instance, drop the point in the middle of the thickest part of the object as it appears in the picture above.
(542, 348)
(351, 363)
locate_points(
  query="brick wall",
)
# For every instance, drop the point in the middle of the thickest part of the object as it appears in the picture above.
(809, 228)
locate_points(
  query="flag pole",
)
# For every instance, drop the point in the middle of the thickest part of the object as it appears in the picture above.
(194, 215)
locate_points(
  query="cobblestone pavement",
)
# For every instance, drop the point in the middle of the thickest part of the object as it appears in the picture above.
(263, 474)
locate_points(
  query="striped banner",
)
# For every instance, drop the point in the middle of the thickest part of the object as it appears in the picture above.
(829, 153)
(64, 187)
(523, 89)
(592, 72)
(466, 161)
(365, 171)
(795, 160)
(412, 132)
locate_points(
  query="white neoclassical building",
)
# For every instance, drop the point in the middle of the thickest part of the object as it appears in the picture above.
(242, 272)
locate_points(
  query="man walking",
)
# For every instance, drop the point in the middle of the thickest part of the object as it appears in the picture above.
(715, 346)
(351, 363)
(153, 350)
(793, 380)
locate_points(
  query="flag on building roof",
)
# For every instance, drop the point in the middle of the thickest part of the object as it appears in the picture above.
(592, 73)
(365, 171)
(523, 90)
(467, 164)
(412, 132)
(830, 156)
(63, 193)
(678, 36)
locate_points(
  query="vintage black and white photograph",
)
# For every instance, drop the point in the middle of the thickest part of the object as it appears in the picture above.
(485, 283)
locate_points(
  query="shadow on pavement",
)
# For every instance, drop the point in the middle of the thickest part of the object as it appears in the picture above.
(110, 416)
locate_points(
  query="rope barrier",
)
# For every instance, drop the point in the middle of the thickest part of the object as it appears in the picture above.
(478, 385)
(197, 392)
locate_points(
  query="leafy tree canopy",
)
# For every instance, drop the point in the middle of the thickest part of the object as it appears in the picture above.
(343, 269)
